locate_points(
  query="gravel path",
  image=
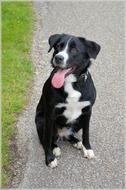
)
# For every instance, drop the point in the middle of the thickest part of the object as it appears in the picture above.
(102, 22)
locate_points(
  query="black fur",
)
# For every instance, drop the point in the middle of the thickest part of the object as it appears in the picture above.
(49, 118)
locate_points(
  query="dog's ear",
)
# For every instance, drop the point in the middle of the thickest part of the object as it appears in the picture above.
(92, 47)
(53, 39)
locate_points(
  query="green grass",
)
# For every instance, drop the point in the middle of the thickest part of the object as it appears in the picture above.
(17, 71)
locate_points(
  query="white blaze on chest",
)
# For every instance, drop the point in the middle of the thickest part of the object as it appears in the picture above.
(73, 106)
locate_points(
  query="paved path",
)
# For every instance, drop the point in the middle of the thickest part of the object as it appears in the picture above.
(103, 23)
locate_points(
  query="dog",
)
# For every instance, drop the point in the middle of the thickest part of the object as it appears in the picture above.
(68, 95)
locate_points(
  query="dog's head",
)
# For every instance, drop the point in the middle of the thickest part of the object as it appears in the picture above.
(72, 53)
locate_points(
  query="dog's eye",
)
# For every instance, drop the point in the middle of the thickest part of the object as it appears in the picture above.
(60, 46)
(57, 46)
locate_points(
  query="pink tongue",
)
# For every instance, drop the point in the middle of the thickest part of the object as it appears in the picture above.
(58, 78)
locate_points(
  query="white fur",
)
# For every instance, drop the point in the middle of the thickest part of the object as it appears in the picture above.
(73, 106)
(85, 77)
(64, 132)
(53, 164)
(57, 151)
(64, 53)
(88, 153)
(78, 145)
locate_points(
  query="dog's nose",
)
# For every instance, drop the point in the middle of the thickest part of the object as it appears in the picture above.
(59, 59)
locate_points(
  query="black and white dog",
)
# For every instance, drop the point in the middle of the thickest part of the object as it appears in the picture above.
(68, 95)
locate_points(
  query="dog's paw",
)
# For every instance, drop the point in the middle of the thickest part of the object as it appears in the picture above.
(57, 151)
(88, 153)
(78, 145)
(53, 164)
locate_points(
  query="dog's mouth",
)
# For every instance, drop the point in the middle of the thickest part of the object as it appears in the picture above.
(59, 76)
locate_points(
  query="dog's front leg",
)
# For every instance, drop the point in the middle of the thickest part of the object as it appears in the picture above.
(88, 152)
(50, 159)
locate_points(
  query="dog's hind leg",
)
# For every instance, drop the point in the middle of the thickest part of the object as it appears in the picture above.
(40, 121)
(40, 128)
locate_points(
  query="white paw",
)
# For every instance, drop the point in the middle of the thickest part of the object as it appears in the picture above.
(88, 153)
(78, 145)
(57, 151)
(53, 164)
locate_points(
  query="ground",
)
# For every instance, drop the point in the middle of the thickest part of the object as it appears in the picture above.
(102, 22)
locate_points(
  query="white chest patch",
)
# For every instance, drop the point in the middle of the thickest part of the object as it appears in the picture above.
(73, 106)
